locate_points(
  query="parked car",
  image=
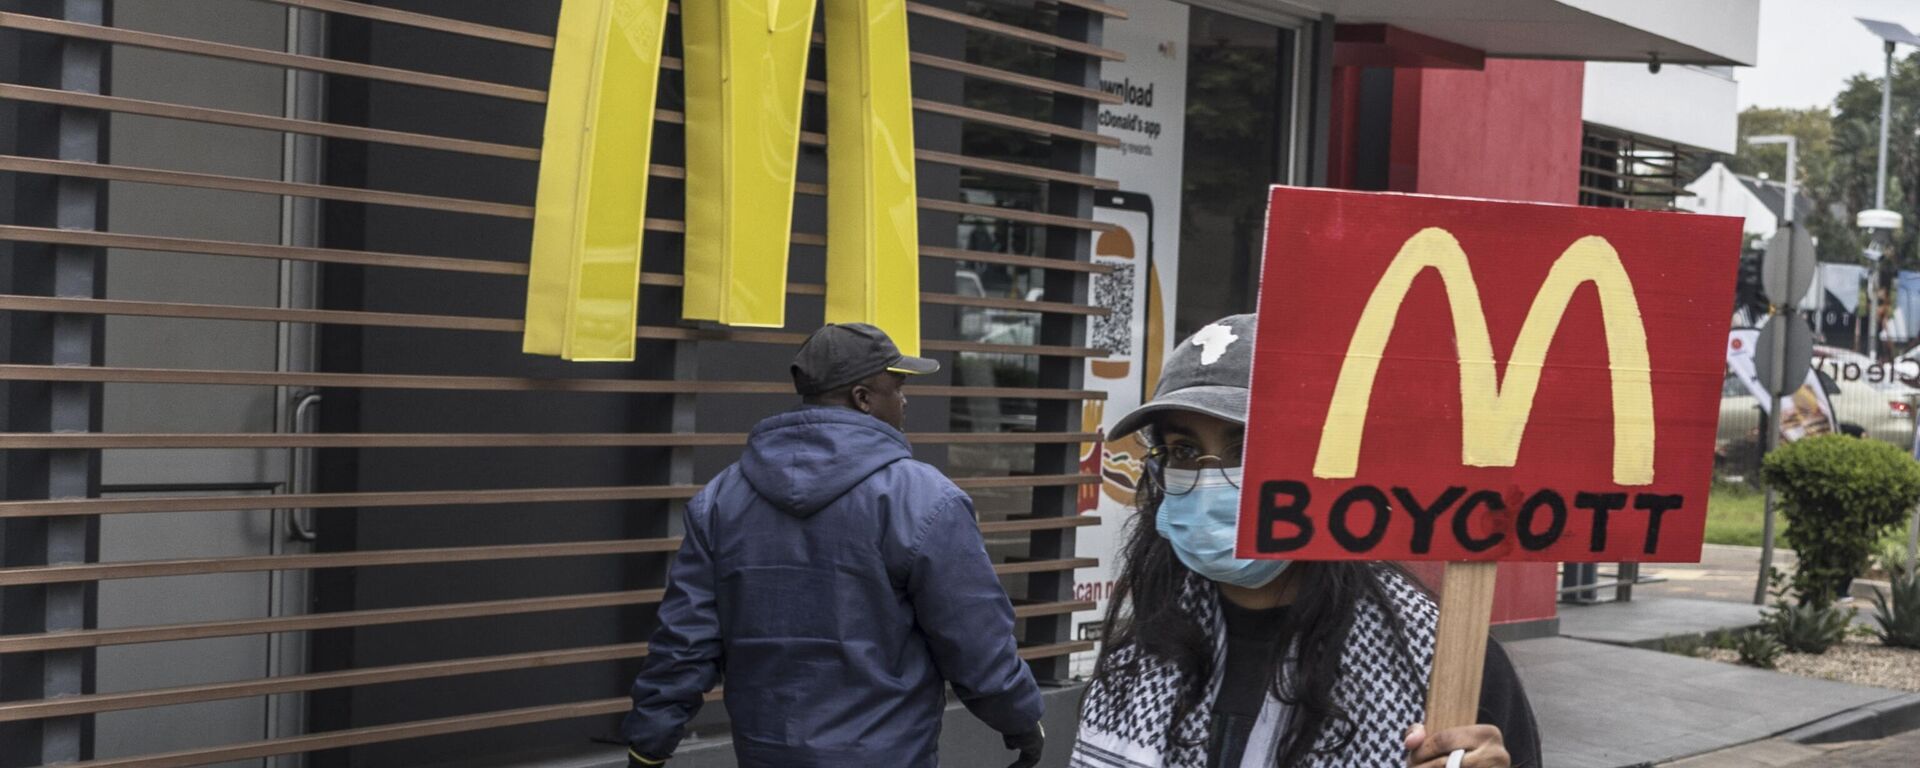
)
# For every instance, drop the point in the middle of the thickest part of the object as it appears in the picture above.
(993, 369)
(1883, 411)
(1846, 365)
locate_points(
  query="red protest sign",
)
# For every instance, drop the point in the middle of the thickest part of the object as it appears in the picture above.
(1452, 379)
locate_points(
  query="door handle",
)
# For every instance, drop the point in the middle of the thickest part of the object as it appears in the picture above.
(300, 520)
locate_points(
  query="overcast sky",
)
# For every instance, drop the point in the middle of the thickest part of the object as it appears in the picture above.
(1808, 49)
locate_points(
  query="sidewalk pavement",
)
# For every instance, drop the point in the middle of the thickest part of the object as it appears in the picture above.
(1901, 751)
(1645, 621)
(1604, 699)
(1724, 572)
(1602, 705)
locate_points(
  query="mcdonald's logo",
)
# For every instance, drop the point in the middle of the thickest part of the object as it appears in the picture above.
(1493, 417)
(1591, 438)
(744, 76)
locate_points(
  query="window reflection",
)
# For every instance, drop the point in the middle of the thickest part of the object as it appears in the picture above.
(1236, 107)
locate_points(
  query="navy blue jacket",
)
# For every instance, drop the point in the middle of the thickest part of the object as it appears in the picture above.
(837, 584)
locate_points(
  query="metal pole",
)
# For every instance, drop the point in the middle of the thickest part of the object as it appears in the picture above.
(1886, 109)
(1880, 203)
(1776, 367)
(1769, 434)
(1792, 150)
(1769, 426)
(1913, 542)
(1873, 311)
(1913, 525)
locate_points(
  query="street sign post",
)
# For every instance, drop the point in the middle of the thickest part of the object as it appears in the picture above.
(1786, 271)
(1785, 353)
(1786, 350)
(1786, 342)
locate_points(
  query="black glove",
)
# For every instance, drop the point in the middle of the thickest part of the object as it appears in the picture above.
(1029, 745)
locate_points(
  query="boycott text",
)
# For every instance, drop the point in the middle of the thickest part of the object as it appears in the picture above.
(1361, 517)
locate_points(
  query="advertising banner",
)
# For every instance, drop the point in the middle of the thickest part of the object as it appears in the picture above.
(1805, 413)
(1143, 253)
(1473, 380)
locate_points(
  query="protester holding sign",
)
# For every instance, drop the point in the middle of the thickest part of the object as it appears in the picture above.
(1212, 660)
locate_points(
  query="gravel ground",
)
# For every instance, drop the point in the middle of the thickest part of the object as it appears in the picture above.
(1859, 661)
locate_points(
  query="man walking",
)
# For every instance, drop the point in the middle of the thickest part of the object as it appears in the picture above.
(838, 584)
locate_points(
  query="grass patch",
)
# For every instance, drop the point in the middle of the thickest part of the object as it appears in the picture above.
(1736, 514)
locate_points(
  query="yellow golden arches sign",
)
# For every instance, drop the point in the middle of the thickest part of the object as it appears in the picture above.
(746, 66)
(744, 69)
(873, 235)
(583, 281)
(1494, 418)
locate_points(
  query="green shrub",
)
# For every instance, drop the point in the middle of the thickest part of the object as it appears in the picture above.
(1899, 616)
(1839, 494)
(1684, 645)
(1803, 626)
(1723, 640)
(1809, 627)
(1891, 557)
(1758, 649)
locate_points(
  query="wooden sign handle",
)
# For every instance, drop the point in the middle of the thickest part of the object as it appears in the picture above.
(1460, 645)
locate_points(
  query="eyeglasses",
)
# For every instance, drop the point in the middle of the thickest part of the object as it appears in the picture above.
(1193, 465)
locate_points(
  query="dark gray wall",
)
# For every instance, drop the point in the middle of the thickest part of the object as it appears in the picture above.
(469, 353)
(22, 404)
(444, 352)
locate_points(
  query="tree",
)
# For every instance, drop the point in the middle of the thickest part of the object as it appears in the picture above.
(1813, 127)
(1855, 149)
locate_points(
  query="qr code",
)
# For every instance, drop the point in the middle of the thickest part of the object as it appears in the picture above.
(1113, 333)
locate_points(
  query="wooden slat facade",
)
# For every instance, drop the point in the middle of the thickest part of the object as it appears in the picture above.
(687, 393)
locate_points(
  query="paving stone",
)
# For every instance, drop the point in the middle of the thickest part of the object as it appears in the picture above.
(1646, 621)
(1603, 706)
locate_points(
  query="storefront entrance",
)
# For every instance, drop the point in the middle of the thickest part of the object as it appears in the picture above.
(1216, 107)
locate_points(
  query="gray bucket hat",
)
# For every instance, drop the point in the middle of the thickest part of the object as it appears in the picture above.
(1207, 373)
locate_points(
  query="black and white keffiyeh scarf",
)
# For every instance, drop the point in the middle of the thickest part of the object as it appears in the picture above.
(1382, 689)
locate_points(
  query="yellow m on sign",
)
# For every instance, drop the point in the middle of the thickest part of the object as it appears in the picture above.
(745, 75)
(1494, 417)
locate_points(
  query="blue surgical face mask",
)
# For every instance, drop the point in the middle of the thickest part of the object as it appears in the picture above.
(1203, 525)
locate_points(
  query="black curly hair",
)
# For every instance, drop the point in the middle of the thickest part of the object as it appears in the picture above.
(1145, 612)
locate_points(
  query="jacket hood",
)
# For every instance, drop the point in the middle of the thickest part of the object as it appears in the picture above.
(806, 459)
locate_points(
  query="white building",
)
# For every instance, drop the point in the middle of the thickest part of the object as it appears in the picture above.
(1761, 202)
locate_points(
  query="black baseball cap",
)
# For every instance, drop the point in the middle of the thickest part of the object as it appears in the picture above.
(842, 353)
(1208, 374)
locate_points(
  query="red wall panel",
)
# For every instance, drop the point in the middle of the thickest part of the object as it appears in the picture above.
(1508, 131)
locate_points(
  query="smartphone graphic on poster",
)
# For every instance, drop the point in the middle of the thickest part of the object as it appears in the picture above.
(1129, 251)
(1122, 334)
